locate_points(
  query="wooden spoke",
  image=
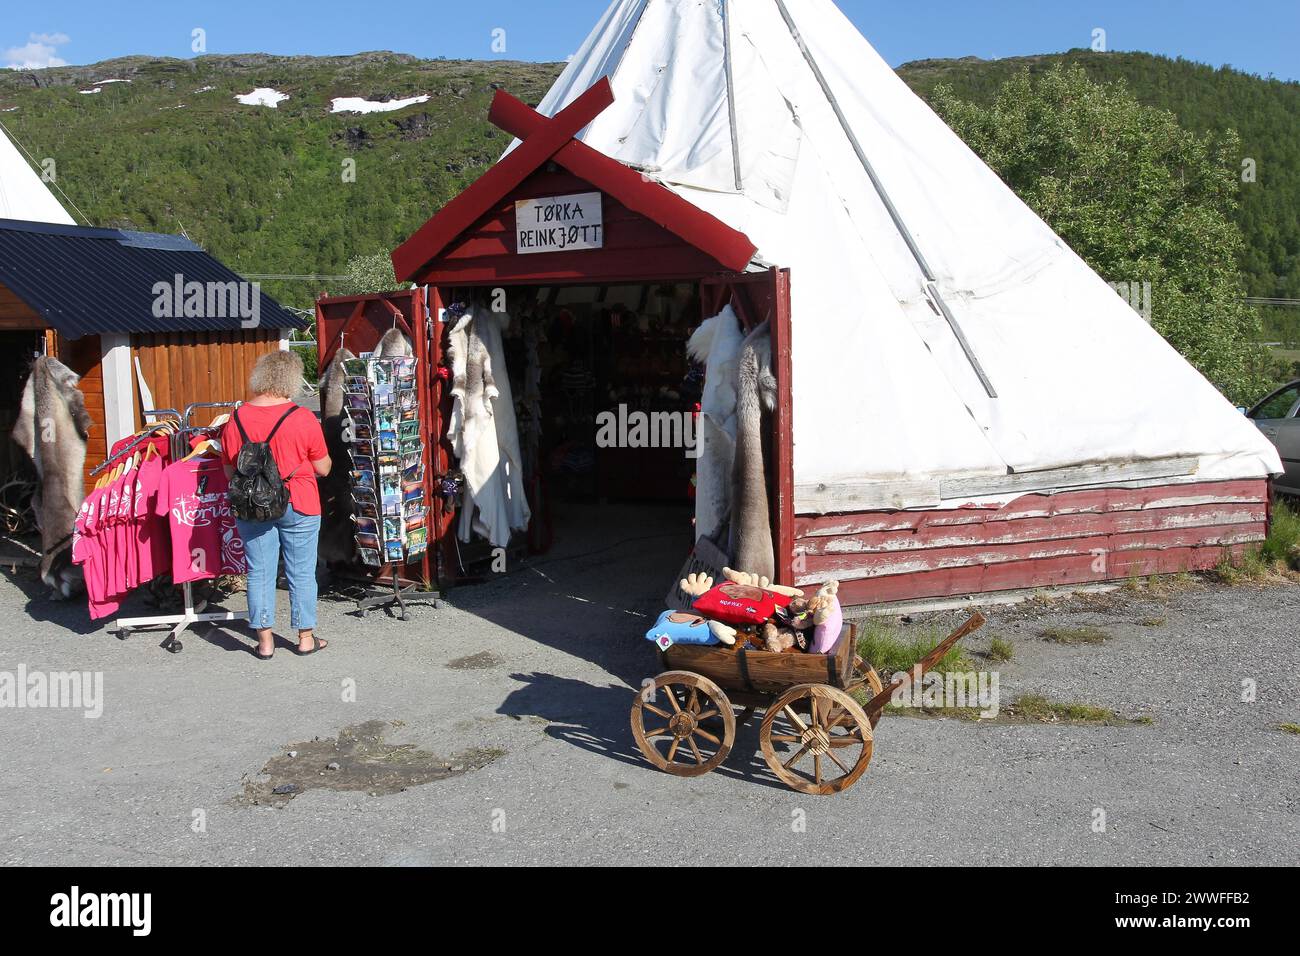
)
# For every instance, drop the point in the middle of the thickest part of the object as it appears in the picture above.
(682, 755)
(700, 731)
(794, 719)
(838, 762)
(835, 721)
(796, 758)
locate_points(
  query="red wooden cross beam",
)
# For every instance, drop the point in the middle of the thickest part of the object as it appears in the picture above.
(552, 138)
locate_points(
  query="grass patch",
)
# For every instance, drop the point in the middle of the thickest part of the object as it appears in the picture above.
(1000, 650)
(1074, 635)
(1289, 729)
(1036, 707)
(1029, 709)
(1274, 559)
(883, 645)
(1153, 621)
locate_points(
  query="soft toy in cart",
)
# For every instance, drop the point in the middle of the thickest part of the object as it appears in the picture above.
(816, 735)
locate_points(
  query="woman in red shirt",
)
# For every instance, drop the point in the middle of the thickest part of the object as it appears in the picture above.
(298, 447)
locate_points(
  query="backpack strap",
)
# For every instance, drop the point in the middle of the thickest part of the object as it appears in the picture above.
(240, 425)
(277, 424)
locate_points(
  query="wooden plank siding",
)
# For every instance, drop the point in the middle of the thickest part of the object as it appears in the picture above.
(1037, 540)
(16, 314)
(181, 368)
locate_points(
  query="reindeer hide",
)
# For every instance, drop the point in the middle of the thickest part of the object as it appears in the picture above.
(483, 430)
(394, 344)
(716, 344)
(52, 428)
(751, 526)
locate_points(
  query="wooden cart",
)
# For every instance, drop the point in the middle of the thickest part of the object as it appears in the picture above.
(684, 722)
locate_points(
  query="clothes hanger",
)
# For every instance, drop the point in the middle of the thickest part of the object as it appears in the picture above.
(206, 447)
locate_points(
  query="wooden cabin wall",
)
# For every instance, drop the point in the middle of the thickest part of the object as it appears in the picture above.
(15, 314)
(181, 368)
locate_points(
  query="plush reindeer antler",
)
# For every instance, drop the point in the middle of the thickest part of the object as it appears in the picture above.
(758, 581)
(695, 584)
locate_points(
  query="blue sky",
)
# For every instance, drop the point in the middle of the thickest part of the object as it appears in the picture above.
(1259, 36)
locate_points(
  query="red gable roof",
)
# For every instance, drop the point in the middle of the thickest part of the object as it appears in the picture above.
(544, 140)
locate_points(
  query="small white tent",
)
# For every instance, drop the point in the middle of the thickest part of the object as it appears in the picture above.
(941, 331)
(22, 194)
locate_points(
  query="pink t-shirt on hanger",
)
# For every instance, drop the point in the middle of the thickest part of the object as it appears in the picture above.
(193, 496)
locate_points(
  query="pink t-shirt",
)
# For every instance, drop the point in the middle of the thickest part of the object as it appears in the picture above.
(192, 495)
(152, 541)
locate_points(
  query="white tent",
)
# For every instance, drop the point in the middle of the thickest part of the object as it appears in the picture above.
(943, 336)
(22, 194)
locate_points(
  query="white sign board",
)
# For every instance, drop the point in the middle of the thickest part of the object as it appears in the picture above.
(559, 223)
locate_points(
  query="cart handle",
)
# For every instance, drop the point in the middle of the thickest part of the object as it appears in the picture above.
(917, 670)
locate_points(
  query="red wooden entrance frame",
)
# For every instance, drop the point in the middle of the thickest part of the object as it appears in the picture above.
(652, 235)
(546, 140)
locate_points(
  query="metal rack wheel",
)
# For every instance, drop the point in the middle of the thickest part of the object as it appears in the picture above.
(683, 724)
(817, 739)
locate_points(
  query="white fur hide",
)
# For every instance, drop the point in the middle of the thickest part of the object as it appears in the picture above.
(716, 343)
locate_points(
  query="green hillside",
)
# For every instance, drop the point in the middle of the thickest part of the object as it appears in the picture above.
(265, 189)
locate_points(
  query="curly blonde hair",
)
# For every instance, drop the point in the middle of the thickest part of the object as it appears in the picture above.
(278, 374)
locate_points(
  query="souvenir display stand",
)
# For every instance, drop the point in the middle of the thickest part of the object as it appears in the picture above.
(386, 473)
(355, 326)
(192, 613)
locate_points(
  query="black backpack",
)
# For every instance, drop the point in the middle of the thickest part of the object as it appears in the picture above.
(257, 492)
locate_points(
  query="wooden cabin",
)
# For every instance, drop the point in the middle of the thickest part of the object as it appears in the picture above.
(148, 321)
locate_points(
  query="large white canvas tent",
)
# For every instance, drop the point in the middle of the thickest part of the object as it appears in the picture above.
(941, 332)
(22, 194)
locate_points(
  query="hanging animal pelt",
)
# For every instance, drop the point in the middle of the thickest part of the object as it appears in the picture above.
(751, 525)
(337, 541)
(394, 344)
(483, 429)
(716, 344)
(52, 428)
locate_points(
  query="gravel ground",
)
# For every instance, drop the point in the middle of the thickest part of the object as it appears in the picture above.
(515, 705)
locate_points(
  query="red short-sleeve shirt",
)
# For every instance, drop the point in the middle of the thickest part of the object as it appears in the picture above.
(295, 446)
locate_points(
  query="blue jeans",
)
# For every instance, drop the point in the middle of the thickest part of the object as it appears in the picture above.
(298, 536)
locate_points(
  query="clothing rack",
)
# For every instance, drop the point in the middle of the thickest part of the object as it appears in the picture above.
(141, 437)
(193, 613)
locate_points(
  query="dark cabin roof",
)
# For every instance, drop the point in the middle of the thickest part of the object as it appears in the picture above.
(86, 281)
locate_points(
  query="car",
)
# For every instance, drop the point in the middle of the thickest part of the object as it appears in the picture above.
(1276, 416)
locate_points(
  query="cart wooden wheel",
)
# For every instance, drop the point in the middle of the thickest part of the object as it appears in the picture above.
(817, 739)
(683, 724)
(864, 673)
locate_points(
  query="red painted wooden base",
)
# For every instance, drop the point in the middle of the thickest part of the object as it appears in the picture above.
(1072, 537)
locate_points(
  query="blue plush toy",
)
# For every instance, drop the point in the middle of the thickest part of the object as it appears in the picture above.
(683, 627)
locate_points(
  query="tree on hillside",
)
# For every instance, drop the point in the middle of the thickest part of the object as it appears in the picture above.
(1138, 197)
(369, 274)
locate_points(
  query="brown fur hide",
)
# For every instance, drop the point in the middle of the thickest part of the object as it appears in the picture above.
(52, 428)
(751, 525)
